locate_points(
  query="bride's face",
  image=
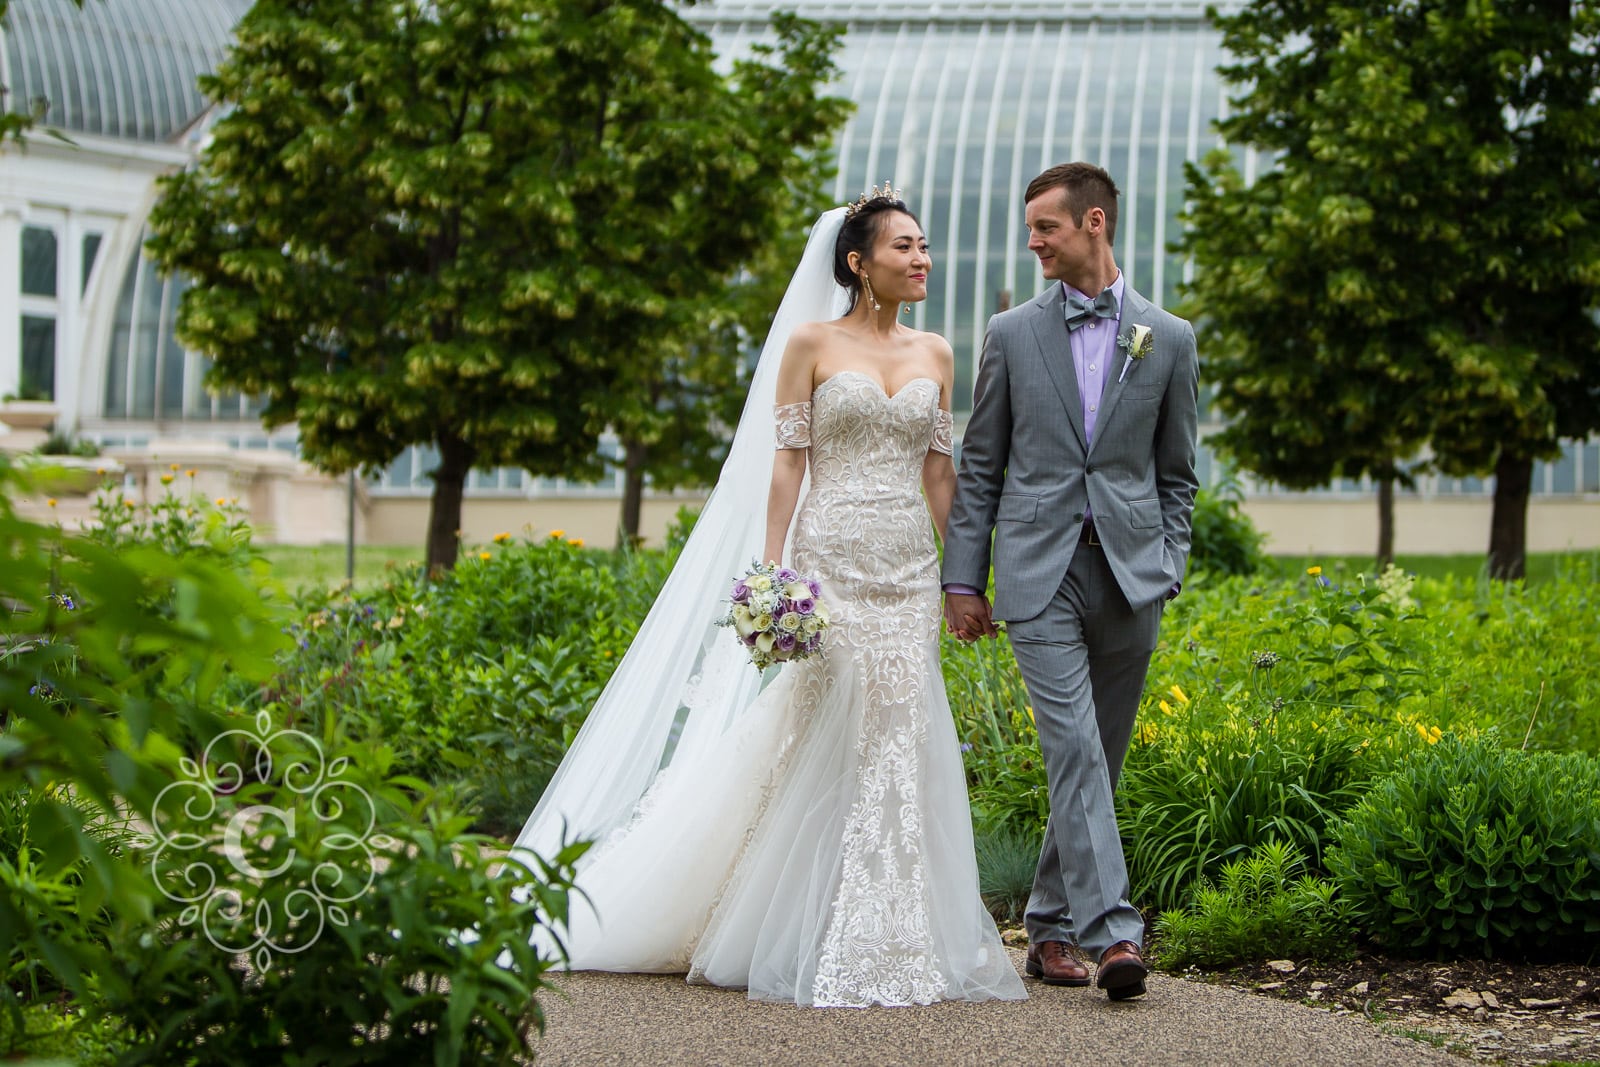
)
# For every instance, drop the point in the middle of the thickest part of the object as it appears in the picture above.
(900, 262)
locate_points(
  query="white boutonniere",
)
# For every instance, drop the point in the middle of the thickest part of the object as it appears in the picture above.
(1135, 342)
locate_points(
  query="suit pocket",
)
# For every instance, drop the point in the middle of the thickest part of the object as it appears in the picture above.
(1015, 508)
(1144, 514)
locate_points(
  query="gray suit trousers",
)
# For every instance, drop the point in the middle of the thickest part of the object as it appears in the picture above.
(1084, 660)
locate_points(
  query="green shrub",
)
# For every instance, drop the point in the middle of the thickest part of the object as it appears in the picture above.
(1194, 798)
(1007, 859)
(52, 1033)
(1222, 538)
(1264, 904)
(418, 952)
(1473, 848)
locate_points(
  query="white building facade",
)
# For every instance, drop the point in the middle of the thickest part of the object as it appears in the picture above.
(958, 104)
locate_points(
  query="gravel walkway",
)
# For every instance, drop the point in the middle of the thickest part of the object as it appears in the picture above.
(660, 1019)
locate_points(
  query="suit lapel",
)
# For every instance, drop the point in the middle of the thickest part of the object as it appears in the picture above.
(1136, 311)
(1055, 350)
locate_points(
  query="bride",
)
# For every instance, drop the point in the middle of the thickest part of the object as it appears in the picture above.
(809, 841)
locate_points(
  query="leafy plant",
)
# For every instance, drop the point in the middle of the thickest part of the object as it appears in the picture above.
(1264, 903)
(421, 951)
(1007, 858)
(1222, 537)
(1473, 848)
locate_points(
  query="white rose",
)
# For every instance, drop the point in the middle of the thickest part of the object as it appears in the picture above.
(764, 621)
(790, 623)
(760, 583)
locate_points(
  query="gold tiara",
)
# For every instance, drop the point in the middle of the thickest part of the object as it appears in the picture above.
(888, 192)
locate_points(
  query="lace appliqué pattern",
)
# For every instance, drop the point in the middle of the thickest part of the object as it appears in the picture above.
(793, 422)
(865, 530)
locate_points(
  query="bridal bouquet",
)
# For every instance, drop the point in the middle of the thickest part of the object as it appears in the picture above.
(777, 614)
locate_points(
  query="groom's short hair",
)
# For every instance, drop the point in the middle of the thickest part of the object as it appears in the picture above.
(1086, 186)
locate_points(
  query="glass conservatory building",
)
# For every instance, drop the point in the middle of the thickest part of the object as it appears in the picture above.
(959, 104)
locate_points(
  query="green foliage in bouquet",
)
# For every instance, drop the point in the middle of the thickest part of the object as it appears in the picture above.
(1471, 848)
(1264, 903)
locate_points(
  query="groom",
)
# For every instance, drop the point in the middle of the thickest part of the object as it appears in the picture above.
(1079, 461)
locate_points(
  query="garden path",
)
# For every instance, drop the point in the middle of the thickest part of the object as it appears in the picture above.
(660, 1019)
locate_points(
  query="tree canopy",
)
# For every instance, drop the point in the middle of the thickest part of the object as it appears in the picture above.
(463, 224)
(1414, 281)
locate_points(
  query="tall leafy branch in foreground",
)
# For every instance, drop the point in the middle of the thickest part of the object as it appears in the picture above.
(464, 225)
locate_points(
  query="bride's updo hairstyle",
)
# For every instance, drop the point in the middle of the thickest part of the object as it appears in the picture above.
(863, 221)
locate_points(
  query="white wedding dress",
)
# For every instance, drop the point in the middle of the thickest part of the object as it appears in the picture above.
(820, 851)
(808, 840)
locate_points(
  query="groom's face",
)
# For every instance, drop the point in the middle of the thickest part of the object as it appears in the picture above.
(1065, 247)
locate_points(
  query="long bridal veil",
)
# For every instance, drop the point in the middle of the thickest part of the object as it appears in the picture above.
(684, 681)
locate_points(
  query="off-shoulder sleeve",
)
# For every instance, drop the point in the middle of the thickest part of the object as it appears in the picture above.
(943, 428)
(794, 424)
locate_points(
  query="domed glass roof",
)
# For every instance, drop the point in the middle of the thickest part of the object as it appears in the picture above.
(116, 68)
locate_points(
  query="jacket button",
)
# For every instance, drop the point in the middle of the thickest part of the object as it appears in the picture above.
(1077, 516)
(1088, 470)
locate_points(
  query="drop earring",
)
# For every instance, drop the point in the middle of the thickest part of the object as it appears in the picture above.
(866, 283)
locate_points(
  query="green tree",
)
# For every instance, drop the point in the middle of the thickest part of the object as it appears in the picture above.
(1413, 284)
(463, 224)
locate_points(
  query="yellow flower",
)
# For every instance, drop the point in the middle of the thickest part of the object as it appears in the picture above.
(501, 538)
(50, 503)
(1030, 713)
(1313, 571)
(221, 500)
(1430, 734)
(1178, 694)
(127, 504)
(556, 535)
(166, 479)
(486, 555)
(190, 472)
(575, 542)
(175, 467)
(1166, 709)
(99, 470)
(397, 622)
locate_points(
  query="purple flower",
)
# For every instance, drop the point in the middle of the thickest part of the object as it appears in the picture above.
(966, 746)
(806, 606)
(785, 575)
(741, 592)
(815, 586)
(750, 639)
(783, 608)
(786, 642)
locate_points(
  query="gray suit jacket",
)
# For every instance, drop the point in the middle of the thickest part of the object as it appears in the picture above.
(1027, 475)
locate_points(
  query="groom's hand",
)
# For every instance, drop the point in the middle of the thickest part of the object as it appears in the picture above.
(967, 616)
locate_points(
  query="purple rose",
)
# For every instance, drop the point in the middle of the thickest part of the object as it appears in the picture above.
(815, 586)
(783, 608)
(806, 606)
(785, 575)
(741, 592)
(786, 642)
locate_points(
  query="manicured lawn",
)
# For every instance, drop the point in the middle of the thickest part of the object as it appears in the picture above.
(1542, 566)
(300, 566)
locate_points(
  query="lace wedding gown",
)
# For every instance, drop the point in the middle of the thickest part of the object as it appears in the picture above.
(820, 853)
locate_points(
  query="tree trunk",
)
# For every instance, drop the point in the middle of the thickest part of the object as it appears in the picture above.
(1508, 526)
(444, 517)
(1385, 523)
(634, 456)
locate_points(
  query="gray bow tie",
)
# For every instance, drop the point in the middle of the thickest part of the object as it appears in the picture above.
(1080, 311)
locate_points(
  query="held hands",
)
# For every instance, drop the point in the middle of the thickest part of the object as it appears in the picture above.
(967, 616)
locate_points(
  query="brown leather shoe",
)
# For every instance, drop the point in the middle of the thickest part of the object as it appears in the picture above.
(1122, 971)
(1057, 963)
